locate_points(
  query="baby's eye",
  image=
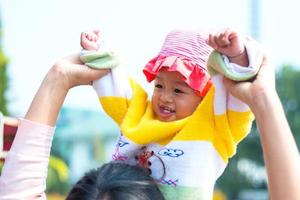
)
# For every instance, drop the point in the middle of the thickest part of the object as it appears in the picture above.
(158, 85)
(178, 91)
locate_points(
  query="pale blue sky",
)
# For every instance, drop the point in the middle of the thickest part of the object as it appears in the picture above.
(38, 32)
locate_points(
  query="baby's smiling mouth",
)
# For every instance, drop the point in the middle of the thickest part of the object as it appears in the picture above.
(166, 110)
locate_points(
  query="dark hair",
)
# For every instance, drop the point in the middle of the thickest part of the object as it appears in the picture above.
(116, 181)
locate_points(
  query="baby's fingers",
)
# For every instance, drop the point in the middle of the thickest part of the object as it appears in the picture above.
(211, 41)
(222, 39)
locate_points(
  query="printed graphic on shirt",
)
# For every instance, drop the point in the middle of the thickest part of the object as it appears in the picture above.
(171, 152)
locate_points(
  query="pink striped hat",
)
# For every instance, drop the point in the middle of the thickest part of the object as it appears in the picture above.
(185, 52)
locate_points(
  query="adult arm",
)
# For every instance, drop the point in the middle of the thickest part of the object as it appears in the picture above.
(25, 169)
(281, 155)
(280, 151)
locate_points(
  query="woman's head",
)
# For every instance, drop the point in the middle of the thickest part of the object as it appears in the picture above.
(182, 60)
(116, 181)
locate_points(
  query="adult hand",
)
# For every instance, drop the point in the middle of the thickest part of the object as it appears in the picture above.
(65, 74)
(249, 91)
(73, 72)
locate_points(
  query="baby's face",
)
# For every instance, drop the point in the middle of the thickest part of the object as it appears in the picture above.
(172, 98)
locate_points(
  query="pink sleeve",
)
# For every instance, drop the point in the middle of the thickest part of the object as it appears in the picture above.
(25, 169)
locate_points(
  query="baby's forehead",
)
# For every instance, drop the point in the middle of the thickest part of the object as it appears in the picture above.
(171, 76)
(168, 74)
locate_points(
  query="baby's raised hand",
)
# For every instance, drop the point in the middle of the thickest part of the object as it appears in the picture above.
(89, 40)
(229, 43)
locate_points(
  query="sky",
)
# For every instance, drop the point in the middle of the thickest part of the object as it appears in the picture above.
(37, 33)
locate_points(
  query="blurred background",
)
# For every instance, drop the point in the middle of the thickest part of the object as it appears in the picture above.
(36, 33)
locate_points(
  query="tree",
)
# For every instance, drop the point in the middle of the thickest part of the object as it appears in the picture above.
(3, 79)
(288, 81)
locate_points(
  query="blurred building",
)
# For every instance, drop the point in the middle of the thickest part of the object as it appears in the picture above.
(253, 195)
(84, 139)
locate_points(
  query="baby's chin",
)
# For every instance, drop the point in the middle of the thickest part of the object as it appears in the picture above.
(166, 118)
(171, 118)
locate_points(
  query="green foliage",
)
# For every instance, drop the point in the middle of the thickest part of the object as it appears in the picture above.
(58, 175)
(3, 82)
(1, 165)
(233, 180)
(288, 82)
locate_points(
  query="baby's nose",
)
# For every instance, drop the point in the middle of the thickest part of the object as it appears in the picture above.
(166, 97)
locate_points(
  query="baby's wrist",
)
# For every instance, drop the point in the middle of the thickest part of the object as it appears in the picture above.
(241, 58)
(240, 54)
